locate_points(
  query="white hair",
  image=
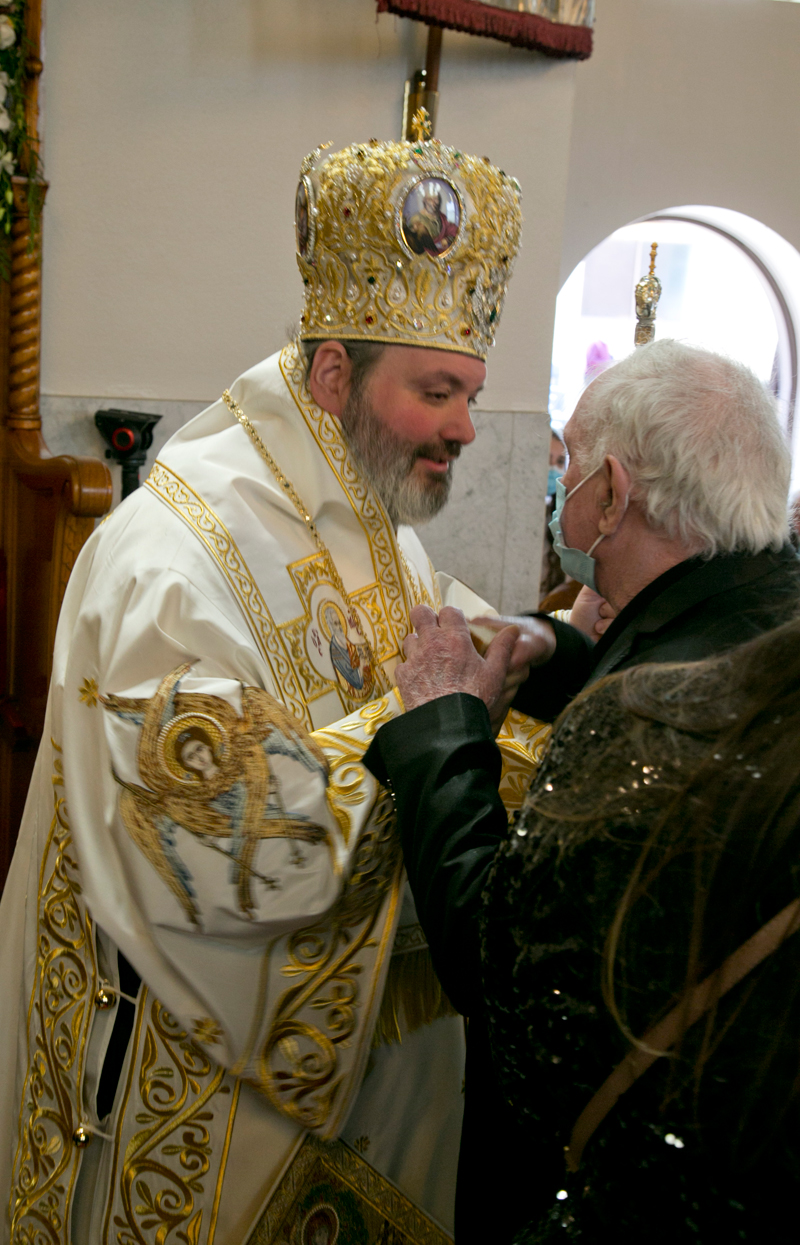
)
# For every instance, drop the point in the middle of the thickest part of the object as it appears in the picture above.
(700, 437)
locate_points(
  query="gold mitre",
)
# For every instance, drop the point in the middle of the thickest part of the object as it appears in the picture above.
(405, 242)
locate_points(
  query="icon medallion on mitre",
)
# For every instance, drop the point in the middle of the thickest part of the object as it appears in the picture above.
(408, 242)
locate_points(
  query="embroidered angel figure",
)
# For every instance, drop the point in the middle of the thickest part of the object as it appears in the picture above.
(207, 770)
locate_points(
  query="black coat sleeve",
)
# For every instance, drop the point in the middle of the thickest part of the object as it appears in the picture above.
(443, 766)
(551, 687)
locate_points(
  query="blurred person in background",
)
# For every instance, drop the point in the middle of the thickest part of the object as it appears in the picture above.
(598, 358)
(552, 574)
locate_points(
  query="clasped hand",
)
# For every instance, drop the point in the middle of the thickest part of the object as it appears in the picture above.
(441, 658)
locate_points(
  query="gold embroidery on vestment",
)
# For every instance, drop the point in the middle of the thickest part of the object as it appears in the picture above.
(369, 601)
(413, 997)
(331, 1186)
(210, 529)
(416, 584)
(224, 788)
(59, 1015)
(344, 753)
(299, 1067)
(223, 1163)
(371, 516)
(177, 1094)
(206, 1031)
(522, 742)
(87, 693)
(346, 779)
(324, 552)
(327, 650)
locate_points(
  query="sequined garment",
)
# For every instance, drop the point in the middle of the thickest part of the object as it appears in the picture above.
(672, 1161)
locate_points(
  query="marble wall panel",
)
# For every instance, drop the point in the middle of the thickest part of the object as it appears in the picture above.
(490, 534)
(68, 425)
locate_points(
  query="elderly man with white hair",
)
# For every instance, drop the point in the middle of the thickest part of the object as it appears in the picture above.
(674, 510)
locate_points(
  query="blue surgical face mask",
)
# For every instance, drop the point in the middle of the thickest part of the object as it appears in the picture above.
(574, 562)
(553, 476)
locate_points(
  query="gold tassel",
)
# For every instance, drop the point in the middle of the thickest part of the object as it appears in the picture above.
(414, 993)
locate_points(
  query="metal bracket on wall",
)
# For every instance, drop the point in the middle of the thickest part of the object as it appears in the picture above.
(128, 435)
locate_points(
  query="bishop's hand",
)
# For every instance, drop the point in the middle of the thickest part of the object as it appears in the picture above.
(441, 659)
(535, 645)
(592, 614)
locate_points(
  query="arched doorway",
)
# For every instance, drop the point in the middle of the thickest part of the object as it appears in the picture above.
(730, 284)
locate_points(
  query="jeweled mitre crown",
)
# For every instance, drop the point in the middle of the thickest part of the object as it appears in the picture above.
(407, 242)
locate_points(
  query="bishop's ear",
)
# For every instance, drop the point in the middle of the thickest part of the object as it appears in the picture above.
(330, 376)
(619, 486)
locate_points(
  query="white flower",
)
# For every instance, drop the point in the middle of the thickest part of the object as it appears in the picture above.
(7, 164)
(7, 33)
(5, 121)
(4, 78)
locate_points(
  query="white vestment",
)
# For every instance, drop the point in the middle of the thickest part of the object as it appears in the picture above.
(199, 804)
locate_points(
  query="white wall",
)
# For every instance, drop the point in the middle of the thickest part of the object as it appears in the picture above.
(173, 137)
(685, 101)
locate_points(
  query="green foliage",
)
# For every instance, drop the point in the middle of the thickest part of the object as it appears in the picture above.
(18, 151)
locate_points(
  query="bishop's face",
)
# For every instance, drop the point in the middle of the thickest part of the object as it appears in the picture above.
(407, 425)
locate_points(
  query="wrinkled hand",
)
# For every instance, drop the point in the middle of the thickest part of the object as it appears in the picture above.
(591, 613)
(441, 659)
(535, 646)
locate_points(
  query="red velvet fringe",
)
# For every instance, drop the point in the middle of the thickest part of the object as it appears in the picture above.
(523, 30)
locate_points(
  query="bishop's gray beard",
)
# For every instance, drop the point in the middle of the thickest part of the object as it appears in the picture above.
(387, 461)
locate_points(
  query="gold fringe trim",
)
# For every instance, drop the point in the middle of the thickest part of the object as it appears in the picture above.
(413, 992)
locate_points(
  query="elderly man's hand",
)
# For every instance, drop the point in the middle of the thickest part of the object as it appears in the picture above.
(441, 659)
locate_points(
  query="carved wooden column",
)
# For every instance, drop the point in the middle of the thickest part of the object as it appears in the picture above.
(24, 316)
(48, 505)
